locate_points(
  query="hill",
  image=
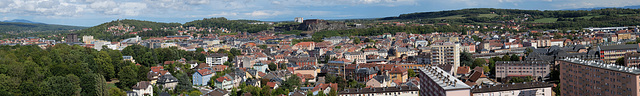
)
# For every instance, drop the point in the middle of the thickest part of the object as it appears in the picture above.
(233, 25)
(19, 27)
(122, 29)
(597, 8)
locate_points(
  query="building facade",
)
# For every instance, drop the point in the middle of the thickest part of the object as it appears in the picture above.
(217, 59)
(632, 59)
(582, 77)
(446, 53)
(609, 54)
(536, 69)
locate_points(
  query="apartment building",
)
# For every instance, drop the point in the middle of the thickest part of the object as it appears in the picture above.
(536, 69)
(446, 53)
(609, 54)
(632, 59)
(584, 77)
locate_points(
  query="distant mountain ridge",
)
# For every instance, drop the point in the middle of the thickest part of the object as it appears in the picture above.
(21, 25)
(22, 21)
(596, 8)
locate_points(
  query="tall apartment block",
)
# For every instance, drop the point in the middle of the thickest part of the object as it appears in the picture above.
(446, 53)
(583, 78)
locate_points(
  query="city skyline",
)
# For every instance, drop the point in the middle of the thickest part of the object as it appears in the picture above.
(90, 13)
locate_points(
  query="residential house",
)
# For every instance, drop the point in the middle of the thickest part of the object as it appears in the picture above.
(202, 77)
(168, 81)
(143, 88)
(224, 82)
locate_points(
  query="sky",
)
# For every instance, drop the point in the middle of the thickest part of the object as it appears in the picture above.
(94, 12)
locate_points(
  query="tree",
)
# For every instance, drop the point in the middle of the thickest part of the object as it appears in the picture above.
(116, 92)
(273, 67)
(262, 46)
(478, 62)
(521, 79)
(356, 40)
(94, 85)
(620, 61)
(466, 59)
(103, 65)
(198, 50)
(411, 73)
(515, 57)
(184, 83)
(62, 86)
(128, 77)
(333, 92)
(506, 58)
(321, 93)
(195, 93)
(292, 82)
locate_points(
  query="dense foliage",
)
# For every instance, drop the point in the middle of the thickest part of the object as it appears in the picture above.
(99, 32)
(233, 25)
(64, 70)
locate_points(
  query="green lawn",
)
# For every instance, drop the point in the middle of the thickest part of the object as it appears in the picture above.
(545, 20)
(488, 15)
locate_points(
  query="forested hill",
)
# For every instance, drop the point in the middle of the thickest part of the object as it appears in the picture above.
(541, 14)
(121, 29)
(233, 25)
(16, 27)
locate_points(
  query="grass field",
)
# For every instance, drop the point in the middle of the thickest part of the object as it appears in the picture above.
(546, 20)
(488, 15)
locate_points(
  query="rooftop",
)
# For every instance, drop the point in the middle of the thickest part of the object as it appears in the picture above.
(618, 47)
(378, 90)
(613, 67)
(508, 87)
(444, 79)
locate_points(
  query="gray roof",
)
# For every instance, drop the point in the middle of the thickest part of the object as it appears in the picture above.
(378, 90)
(441, 77)
(613, 67)
(619, 47)
(512, 86)
(167, 79)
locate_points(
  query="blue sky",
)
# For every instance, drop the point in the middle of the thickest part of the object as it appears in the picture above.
(95, 12)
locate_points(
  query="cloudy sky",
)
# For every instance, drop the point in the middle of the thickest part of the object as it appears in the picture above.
(95, 12)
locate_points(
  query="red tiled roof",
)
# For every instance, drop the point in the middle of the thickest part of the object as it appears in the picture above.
(271, 84)
(222, 79)
(205, 72)
(463, 70)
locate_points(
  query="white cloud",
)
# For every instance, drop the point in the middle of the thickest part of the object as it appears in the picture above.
(263, 13)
